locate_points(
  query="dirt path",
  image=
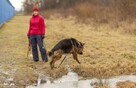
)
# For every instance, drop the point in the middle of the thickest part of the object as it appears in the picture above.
(107, 53)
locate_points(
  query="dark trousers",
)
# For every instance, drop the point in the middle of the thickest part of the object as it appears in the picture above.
(37, 40)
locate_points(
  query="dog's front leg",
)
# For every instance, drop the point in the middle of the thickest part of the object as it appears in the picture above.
(52, 63)
(75, 57)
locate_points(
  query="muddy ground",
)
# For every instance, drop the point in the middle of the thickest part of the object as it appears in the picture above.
(108, 51)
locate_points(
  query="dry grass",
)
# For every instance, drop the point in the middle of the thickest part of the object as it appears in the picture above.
(107, 52)
(100, 84)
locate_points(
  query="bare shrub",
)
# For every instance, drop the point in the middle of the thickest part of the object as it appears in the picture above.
(112, 12)
(85, 10)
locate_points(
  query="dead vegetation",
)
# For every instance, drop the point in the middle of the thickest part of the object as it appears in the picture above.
(107, 29)
(119, 14)
(107, 52)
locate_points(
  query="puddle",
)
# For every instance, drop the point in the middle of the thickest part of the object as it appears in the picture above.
(72, 80)
(7, 77)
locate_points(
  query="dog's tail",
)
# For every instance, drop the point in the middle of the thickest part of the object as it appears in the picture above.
(50, 53)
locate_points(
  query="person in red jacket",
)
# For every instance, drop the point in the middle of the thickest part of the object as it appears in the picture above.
(36, 34)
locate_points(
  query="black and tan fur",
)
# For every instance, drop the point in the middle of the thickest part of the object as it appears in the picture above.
(66, 46)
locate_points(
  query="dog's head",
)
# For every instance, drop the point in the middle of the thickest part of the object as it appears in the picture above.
(80, 47)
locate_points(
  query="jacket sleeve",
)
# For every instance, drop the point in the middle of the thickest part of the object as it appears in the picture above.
(29, 28)
(43, 27)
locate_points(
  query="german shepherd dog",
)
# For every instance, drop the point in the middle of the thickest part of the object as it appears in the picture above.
(66, 46)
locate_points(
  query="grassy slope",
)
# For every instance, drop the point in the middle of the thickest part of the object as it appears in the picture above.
(106, 52)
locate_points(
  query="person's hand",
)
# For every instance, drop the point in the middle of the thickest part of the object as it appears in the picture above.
(43, 36)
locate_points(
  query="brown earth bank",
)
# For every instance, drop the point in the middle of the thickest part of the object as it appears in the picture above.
(109, 51)
(126, 84)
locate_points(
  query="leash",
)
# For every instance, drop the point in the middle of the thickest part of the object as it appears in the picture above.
(62, 61)
(29, 47)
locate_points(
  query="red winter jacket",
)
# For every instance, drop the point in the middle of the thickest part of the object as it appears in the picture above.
(37, 25)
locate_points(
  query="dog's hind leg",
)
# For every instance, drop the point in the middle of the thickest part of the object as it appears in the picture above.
(52, 63)
(75, 57)
(57, 56)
